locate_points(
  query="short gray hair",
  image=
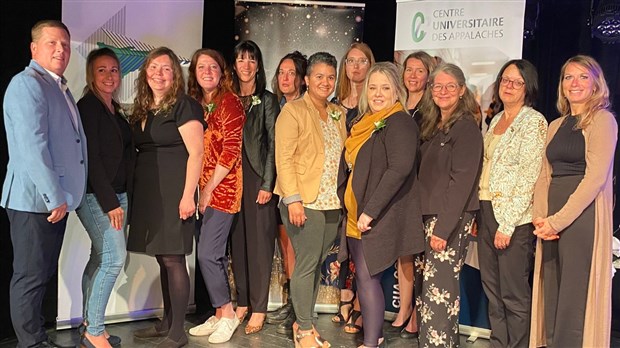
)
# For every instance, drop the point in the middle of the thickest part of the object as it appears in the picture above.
(321, 57)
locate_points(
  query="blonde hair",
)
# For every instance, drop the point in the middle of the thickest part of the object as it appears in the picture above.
(343, 85)
(391, 71)
(600, 94)
(37, 29)
(144, 99)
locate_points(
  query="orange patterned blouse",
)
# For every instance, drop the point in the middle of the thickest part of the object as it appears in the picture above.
(222, 142)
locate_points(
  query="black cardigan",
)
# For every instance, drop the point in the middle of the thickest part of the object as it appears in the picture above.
(105, 151)
(449, 173)
(383, 185)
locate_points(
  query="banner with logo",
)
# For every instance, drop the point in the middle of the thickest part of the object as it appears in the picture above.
(479, 36)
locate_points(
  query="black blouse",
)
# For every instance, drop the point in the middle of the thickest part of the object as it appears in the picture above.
(566, 152)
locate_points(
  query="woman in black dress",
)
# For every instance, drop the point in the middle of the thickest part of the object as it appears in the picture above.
(168, 130)
(573, 204)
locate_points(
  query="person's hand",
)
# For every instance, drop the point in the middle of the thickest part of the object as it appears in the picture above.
(438, 244)
(363, 223)
(187, 207)
(502, 241)
(543, 229)
(58, 213)
(205, 199)
(116, 217)
(263, 197)
(296, 214)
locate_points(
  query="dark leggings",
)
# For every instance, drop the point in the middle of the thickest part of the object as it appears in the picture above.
(370, 293)
(175, 291)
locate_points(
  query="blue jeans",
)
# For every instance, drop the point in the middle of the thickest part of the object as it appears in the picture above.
(107, 257)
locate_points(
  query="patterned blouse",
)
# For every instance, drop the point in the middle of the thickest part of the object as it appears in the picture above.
(327, 198)
(222, 142)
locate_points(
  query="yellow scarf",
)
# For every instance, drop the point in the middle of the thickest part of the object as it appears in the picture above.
(360, 133)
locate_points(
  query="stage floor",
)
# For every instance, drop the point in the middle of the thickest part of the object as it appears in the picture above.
(267, 338)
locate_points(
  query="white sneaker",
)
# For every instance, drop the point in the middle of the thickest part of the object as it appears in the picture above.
(224, 331)
(206, 328)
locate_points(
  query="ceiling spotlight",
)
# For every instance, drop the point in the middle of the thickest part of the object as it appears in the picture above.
(606, 21)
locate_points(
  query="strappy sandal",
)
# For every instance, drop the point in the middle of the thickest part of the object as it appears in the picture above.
(351, 326)
(309, 339)
(340, 318)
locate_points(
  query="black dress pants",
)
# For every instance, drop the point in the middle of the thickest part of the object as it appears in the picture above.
(252, 239)
(36, 248)
(505, 278)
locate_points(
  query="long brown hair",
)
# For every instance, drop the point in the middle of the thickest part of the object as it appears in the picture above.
(193, 87)
(600, 94)
(431, 115)
(144, 99)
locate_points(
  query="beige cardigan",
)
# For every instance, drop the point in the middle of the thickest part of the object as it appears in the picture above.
(600, 140)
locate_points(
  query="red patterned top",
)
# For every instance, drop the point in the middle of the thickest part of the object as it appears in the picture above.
(222, 142)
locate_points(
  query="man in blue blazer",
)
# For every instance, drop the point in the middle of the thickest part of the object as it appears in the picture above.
(46, 174)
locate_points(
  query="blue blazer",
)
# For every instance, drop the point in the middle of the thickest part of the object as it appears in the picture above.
(47, 151)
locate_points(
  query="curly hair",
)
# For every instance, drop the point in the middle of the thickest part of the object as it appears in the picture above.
(145, 100)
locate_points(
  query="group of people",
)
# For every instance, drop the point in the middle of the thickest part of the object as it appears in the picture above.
(394, 169)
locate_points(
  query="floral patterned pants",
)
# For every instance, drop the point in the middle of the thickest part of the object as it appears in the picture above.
(437, 277)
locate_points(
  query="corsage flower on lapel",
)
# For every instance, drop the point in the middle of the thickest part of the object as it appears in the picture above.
(335, 114)
(255, 101)
(379, 125)
(209, 108)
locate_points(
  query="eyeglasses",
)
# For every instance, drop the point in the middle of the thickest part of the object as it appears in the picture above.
(289, 73)
(359, 61)
(516, 84)
(450, 87)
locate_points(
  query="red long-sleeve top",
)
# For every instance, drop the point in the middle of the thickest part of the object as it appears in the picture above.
(222, 142)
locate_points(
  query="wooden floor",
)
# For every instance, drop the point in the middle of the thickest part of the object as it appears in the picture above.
(267, 338)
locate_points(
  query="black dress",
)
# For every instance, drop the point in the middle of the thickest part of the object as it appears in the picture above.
(159, 180)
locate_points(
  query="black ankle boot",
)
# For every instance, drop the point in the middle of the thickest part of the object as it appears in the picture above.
(281, 314)
(286, 327)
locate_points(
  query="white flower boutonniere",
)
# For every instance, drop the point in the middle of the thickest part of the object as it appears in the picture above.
(255, 101)
(209, 108)
(335, 114)
(379, 125)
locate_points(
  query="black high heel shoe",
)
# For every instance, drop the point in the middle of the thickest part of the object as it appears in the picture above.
(351, 327)
(340, 318)
(398, 329)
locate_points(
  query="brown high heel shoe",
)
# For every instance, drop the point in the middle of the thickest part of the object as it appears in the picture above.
(252, 329)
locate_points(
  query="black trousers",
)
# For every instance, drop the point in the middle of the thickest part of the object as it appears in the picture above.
(36, 248)
(252, 244)
(505, 279)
